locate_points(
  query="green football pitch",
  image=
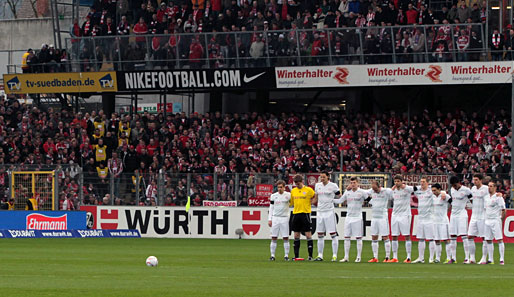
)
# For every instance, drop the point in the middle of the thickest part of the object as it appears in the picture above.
(209, 267)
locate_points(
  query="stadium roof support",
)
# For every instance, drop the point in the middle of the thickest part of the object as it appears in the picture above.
(314, 99)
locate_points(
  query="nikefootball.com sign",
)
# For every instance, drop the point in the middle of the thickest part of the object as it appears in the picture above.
(394, 74)
(205, 79)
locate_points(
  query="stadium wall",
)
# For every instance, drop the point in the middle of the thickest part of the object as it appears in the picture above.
(21, 34)
(214, 222)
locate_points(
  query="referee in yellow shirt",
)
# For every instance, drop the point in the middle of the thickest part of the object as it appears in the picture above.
(301, 198)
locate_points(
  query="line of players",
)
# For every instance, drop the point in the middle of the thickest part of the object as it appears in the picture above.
(488, 213)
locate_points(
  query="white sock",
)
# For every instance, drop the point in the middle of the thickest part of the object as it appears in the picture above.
(321, 245)
(273, 247)
(484, 251)
(431, 248)
(286, 248)
(448, 251)
(408, 248)
(374, 247)
(359, 247)
(466, 249)
(438, 250)
(387, 246)
(501, 247)
(347, 244)
(454, 248)
(421, 249)
(490, 251)
(395, 249)
(471, 249)
(335, 245)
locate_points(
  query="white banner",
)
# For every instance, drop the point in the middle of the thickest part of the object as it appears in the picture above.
(211, 222)
(394, 74)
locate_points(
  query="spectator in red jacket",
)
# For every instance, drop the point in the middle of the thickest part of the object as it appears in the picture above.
(195, 53)
(412, 15)
(140, 29)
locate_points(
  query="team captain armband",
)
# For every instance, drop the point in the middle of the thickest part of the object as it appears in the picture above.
(470, 196)
(338, 193)
(415, 188)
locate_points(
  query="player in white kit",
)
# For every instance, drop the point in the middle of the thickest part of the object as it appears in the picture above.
(401, 217)
(278, 219)
(441, 223)
(326, 191)
(425, 224)
(494, 216)
(353, 222)
(476, 224)
(459, 216)
(380, 198)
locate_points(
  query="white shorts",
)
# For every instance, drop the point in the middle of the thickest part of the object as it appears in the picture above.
(425, 230)
(458, 226)
(441, 232)
(353, 227)
(280, 226)
(400, 225)
(380, 227)
(476, 228)
(326, 222)
(493, 229)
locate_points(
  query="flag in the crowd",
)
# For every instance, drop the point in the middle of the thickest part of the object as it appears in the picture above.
(188, 205)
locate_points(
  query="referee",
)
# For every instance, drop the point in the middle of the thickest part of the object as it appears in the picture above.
(301, 198)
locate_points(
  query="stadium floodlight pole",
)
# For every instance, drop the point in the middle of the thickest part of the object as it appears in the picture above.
(486, 35)
(341, 160)
(376, 134)
(511, 141)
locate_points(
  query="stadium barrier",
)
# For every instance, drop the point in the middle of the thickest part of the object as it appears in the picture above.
(14, 233)
(43, 220)
(271, 78)
(369, 45)
(172, 189)
(209, 222)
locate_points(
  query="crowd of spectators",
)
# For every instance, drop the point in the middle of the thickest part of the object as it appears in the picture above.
(258, 32)
(45, 60)
(129, 148)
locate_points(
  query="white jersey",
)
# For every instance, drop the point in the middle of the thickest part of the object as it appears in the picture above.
(379, 202)
(460, 198)
(354, 201)
(478, 202)
(425, 204)
(279, 204)
(493, 207)
(440, 209)
(401, 201)
(326, 194)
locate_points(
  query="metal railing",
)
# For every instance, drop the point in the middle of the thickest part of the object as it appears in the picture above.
(89, 185)
(330, 46)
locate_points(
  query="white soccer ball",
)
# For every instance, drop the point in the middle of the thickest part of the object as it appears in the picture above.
(152, 261)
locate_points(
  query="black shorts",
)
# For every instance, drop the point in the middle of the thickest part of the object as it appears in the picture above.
(301, 222)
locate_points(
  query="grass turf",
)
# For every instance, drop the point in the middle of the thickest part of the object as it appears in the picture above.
(209, 267)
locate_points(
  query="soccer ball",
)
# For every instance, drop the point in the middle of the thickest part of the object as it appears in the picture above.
(152, 261)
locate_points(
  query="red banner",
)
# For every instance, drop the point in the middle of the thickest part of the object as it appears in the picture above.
(220, 203)
(258, 201)
(263, 190)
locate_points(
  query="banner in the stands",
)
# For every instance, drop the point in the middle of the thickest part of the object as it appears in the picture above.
(394, 74)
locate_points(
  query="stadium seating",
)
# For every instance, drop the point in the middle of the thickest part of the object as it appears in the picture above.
(215, 34)
(256, 146)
